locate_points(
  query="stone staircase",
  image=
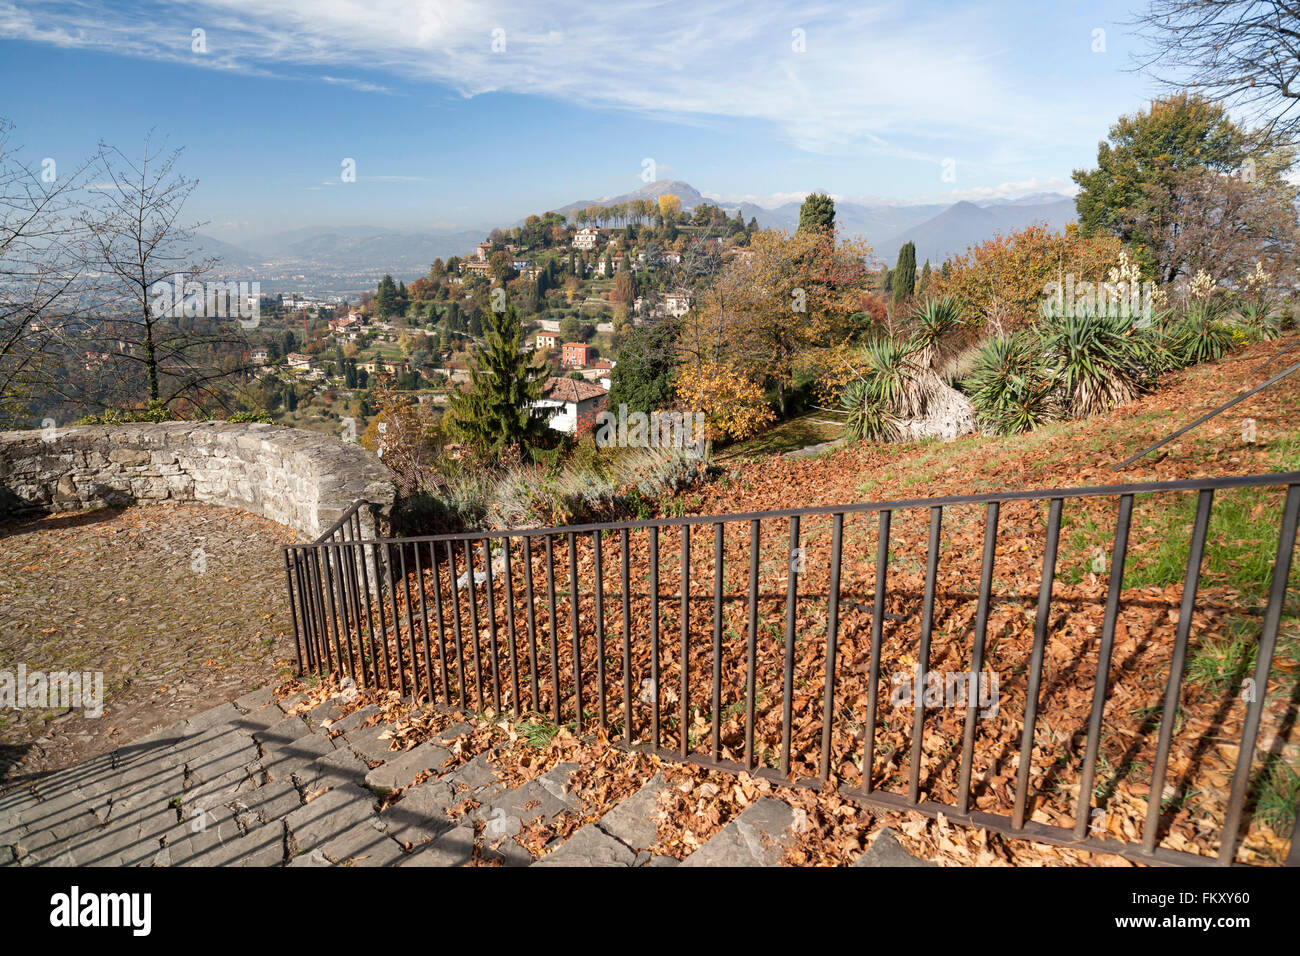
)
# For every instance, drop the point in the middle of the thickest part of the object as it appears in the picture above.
(246, 784)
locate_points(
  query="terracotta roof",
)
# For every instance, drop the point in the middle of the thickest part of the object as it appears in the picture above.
(571, 390)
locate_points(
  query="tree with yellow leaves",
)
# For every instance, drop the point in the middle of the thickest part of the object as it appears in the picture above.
(732, 405)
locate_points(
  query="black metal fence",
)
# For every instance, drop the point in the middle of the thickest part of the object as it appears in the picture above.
(768, 651)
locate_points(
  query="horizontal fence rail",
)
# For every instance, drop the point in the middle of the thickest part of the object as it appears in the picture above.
(1015, 660)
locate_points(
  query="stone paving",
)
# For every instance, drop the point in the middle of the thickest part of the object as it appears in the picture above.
(247, 784)
(180, 607)
(251, 784)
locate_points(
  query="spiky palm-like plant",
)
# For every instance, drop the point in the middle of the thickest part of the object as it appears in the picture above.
(1011, 386)
(1101, 361)
(935, 319)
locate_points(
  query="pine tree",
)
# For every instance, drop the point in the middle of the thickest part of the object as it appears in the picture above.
(386, 298)
(903, 282)
(495, 414)
(817, 214)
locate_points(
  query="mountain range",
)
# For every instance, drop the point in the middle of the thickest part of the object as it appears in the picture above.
(344, 259)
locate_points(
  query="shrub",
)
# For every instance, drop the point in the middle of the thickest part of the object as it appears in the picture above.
(1101, 361)
(1011, 386)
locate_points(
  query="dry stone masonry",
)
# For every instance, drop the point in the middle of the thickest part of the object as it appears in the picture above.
(298, 478)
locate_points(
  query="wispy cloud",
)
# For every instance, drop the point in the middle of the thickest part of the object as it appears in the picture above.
(830, 77)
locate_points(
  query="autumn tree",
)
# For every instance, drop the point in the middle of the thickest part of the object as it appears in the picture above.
(669, 206)
(1000, 283)
(769, 311)
(167, 348)
(1147, 162)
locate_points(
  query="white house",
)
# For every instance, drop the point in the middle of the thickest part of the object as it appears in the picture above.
(568, 401)
(586, 238)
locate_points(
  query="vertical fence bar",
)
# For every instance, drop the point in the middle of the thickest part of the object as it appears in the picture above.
(383, 626)
(293, 611)
(574, 624)
(600, 629)
(473, 624)
(787, 674)
(751, 645)
(436, 568)
(410, 623)
(309, 648)
(350, 550)
(346, 574)
(1036, 662)
(715, 709)
(532, 622)
(550, 607)
(832, 636)
(397, 620)
(684, 714)
(977, 656)
(923, 658)
(1169, 714)
(492, 626)
(654, 637)
(370, 614)
(350, 618)
(462, 699)
(877, 638)
(626, 599)
(1102, 685)
(1263, 663)
(510, 627)
(318, 590)
(424, 625)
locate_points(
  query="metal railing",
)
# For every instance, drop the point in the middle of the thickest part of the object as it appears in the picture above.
(789, 686)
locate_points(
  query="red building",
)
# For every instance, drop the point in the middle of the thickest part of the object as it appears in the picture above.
(575, 354)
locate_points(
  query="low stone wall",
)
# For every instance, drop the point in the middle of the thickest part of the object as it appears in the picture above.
(298, 478)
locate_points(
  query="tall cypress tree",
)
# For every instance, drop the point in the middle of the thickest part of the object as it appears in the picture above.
(904, 278)
(495, 413)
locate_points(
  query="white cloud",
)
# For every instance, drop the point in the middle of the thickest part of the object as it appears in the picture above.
(870, 74)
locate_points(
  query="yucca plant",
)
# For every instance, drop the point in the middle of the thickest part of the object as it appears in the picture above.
(1101, 361)
(891, 386)
(869, 419)
(1202, 335)
(1257, 314)
(1010, 385)
(935, 319)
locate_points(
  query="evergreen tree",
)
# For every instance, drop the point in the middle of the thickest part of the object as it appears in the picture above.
(904, 278)
(643, 378)
(386, 298)
(817, 214)
(494, 414)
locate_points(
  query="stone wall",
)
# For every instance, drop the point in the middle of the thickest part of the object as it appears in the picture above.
(298, 478)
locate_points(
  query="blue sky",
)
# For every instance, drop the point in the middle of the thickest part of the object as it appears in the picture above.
(460, 114)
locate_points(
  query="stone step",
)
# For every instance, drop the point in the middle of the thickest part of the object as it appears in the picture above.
(757, 837)
(888, 850)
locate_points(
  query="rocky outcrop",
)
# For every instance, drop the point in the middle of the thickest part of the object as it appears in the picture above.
(298, 478)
